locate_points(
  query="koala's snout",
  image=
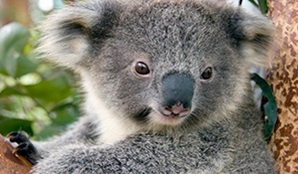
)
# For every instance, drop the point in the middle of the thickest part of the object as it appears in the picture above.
(177, 90)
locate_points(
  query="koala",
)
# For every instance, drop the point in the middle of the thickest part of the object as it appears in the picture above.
(166, 88)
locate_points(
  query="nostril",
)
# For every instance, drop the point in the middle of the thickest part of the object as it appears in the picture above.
(176, 110)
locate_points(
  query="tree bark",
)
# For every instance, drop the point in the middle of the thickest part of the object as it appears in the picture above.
(9, 163)
(283, 78)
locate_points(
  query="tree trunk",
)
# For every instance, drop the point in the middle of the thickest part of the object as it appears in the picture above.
(283, 78)
(15, 10)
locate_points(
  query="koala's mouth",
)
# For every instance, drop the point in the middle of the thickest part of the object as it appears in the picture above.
(175, 111)
(170, 119)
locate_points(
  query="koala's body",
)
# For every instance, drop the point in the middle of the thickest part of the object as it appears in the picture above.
(166, 88)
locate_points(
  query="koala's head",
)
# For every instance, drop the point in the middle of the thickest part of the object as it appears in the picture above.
(159, 63)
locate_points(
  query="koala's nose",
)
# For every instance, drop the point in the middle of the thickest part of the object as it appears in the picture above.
(177, 90)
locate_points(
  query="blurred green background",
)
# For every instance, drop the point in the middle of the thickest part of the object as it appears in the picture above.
(35, 96)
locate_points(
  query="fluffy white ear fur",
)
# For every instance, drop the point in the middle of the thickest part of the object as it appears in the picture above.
(258, 43)
(64, 37)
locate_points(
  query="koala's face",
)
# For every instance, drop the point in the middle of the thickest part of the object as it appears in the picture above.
(168, 64)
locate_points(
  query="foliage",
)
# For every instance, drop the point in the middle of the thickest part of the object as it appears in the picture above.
(34, 97)
(269, 107)
(261, 4)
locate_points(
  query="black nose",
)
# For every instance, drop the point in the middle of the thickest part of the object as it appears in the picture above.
(177, 90)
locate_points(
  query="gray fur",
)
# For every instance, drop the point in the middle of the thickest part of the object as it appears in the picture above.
(121, 130)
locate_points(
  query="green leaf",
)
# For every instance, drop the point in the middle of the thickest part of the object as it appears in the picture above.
(13, 38)
(50, 91)
(11, 91)
(65, 114)
(270, 108)
(49, 131)
(24, 66)
(62, 115)
(263, 6)
(13, 124)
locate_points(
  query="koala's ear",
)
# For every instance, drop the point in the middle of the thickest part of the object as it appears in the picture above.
(67, 34)
(254, 36)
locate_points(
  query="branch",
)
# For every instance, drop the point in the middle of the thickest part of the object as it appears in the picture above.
(9, 163)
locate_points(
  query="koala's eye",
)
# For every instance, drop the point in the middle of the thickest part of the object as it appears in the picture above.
(207, 73)
(141, 68)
